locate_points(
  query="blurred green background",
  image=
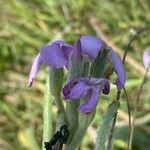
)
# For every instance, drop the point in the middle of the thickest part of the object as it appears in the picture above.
(27, 25)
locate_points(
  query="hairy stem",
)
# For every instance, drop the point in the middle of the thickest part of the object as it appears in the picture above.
(105, 126)
(47, 115)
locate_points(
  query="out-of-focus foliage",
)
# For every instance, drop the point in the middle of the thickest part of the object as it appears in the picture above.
(26, 25)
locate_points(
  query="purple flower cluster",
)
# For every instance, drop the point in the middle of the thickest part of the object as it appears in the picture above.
(57, 54)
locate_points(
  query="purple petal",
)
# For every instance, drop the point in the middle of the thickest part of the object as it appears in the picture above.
(67, 48)
(146, 58)
(92, 103)
(62, 43)
(56, 54)
(68, 87)
(106, 88)
(34, 69)
(91, 46)
(119, 68)
(77, 52)
(75, 90)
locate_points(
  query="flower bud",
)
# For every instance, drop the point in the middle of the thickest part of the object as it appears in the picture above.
(78, 64)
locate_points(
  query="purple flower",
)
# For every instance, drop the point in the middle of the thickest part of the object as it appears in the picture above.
(91, 46)
(86, 87)
(92, 87)
(146, 58)
(55, 54)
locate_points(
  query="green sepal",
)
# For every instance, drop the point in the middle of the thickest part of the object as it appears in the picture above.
(98, 66)
(84, 121)
(78, 68)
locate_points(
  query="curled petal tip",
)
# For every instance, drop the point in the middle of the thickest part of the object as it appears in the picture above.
(30, 83)
(106, 88)
(34, 69)
(119, 84)
(119, 68)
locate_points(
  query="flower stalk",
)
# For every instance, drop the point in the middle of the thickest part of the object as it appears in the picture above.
(83, 123)
(56, 81)
(105, 126)
(47, 115)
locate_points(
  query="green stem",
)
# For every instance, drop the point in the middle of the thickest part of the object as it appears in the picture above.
(112, 128)
(105, 126)
(83, 123)
(47, 115)
(72, 117)
(56, 82)
(60, 113)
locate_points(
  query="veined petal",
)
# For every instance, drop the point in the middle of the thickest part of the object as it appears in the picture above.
(146, 58)
(119, 68)
(56, 54)
(91, 46)
(75, 90)
(92, 103)
(34, 69)
(67, 48)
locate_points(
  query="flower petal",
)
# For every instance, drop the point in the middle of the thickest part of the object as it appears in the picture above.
(92, 103)
(146, 58)
(67, 48)
(62, 43)
(91, 46)
(34, 69)
(75, 89)
(56, 54)
(68, 87)
(106, 88)
(77, 51)
(119, 68)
